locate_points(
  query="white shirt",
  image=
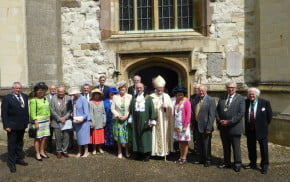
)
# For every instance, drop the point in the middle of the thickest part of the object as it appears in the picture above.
(231, 98)
(140, 103)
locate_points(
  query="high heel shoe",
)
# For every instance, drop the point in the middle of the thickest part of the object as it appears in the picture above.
(38, 159)
(43, 156)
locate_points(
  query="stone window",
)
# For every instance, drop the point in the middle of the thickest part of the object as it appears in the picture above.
(139, 15)
(129, 17)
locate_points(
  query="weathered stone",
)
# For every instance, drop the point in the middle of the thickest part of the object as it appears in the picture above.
(250, 63)
(71, 4)
(214, 64)
(234, 63)
(95, 46)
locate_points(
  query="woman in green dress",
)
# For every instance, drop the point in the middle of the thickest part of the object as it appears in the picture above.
(120, 110)
(40, 115)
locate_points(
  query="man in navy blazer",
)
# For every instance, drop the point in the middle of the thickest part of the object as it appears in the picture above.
(15, 118)
(258, 116)
(103, 87)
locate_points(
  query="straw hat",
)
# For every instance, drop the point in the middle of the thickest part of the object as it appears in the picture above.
(74, 90)
(121, 84)
(96, 90)
(159, 81)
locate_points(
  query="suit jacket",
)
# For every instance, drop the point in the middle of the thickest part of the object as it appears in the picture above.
(13, 115)
(262, 119)
(49, 97)
(105, 91)
(132, 88)
(194, 99)
(58, 112)
(234, 114)
(206, 114)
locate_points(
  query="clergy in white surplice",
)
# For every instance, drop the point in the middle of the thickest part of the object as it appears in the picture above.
(162, 141)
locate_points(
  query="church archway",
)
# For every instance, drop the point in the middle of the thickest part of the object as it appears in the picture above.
(173, 72)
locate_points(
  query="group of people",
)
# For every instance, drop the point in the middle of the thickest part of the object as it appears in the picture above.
(131, 118)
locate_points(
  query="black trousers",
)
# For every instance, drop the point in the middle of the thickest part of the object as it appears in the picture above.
(252, 149)
(204, 145)
(196, 135)
(233, 141)
(15, 145)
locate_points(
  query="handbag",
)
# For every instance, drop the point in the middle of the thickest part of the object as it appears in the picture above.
(31, 131)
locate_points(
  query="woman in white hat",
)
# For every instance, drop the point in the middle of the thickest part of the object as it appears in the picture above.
(81, 119)
(120, 110)
(98, 120)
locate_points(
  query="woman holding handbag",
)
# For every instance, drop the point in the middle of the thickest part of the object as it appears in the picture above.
(120, 110)
(40, 115)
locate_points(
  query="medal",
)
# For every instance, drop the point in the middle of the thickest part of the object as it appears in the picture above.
(225, 109)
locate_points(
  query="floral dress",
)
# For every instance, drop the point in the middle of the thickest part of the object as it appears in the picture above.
(178, 134)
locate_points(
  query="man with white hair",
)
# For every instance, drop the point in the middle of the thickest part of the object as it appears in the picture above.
(229, 116)
(133, 89)
(257, 118)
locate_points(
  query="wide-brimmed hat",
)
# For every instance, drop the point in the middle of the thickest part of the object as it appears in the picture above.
(113, 90)
(96, 90)
(179, 89)
(74, 90)
(121, 84)
(159, 81)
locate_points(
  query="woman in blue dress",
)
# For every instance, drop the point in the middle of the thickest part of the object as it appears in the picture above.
(81, 117)
(109, 137)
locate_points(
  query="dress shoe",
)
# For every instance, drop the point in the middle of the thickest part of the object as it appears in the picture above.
(264, 171)
(198, 162)
(146, 158)
(251, 166)
(12, 168)
(237, 169)
(58, 155)
(224, 166)
(21, 162)
(207, 164)
(65, 154)
(44, 156)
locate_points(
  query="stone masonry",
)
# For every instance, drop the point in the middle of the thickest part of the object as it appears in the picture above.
(84, 58)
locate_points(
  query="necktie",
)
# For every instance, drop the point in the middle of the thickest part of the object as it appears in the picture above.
(198, 109)
(252, 116)
(228, 101)
(20, 101)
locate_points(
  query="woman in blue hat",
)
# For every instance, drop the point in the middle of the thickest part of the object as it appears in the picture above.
(109, 138)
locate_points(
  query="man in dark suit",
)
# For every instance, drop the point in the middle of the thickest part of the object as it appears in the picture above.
(257, 118)
(15, 118)
(229, 115)
(103, 87)
(194, 99)
(133, 90)
(204, 116)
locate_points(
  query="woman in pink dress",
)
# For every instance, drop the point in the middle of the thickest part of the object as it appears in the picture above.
(182, 115)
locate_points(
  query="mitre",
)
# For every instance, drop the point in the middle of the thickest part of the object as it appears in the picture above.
(159, 81)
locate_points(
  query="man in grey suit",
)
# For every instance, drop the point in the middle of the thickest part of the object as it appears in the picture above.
(61, 108)
(204, 116)
(52, 93)
(229, 115)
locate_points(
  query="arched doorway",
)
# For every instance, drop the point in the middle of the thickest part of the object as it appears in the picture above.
(172, 70)
(170, 76)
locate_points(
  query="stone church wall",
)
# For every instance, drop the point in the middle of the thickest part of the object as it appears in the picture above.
(84, 58)
(227, 54)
